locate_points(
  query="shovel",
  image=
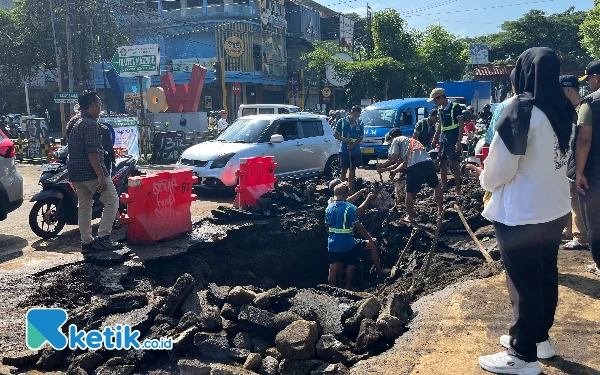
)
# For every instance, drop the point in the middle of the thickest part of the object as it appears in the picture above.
(396, 267)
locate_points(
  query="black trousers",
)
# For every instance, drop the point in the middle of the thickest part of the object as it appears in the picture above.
(530, 256)
(590, 210)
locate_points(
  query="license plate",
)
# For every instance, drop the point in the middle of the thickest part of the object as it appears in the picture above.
(367, 150)
(49, 167)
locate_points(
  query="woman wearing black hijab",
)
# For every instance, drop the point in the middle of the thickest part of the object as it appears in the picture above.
(525, 171)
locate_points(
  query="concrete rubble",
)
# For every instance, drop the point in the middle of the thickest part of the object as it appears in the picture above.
(252, 302)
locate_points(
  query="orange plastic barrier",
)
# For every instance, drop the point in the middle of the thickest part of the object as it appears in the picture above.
(158, 206)
(256, 177)
(484, 154)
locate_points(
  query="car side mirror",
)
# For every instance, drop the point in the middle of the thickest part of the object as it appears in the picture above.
(276, 138)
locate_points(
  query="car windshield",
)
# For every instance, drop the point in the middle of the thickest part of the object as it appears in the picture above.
(384, 118)
(244, 131)
(293, 109)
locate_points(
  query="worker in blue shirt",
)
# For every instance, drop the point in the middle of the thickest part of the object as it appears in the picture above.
(341, 221)
(350, 132)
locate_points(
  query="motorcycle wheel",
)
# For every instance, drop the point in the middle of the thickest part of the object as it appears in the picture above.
(45, 218)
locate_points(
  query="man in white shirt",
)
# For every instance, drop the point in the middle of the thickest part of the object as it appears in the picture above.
(222, 124)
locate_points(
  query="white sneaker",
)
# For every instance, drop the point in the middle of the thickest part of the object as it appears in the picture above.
(504, 363)
(545, 350)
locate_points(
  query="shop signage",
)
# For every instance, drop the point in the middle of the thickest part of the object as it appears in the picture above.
(236, 88)
(65, 97)
(185, 65)
(234, 46)
(311, 83)
(138, 60)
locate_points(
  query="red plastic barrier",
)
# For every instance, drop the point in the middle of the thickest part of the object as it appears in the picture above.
(256, 177)
(484, 154)
(158, 206)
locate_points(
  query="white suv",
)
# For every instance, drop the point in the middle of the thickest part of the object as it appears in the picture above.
(302, 145)
(11, 182)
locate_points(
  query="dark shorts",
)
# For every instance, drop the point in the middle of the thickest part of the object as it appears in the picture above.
(448, 152)
(349, 258)
(419, 173)
(345, 160)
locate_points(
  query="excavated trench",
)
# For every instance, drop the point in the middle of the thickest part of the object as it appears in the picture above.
(247, 295)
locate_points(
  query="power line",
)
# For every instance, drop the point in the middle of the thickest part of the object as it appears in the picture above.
(478, 9)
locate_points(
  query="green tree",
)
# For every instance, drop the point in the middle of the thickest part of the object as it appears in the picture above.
(445, 54)
(391, 36)
(590, 31)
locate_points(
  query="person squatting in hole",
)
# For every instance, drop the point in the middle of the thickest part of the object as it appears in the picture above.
(418, 165)
(341, 221)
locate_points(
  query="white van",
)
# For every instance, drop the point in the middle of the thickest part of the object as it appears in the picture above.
(266, 109)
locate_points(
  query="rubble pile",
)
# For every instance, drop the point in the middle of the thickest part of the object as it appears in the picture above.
(250, 300)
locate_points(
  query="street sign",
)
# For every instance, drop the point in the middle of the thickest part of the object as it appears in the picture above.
(326, 92)
(138, 60)
(236, 88)
(365, 102)
(326, 100)
(65, 97)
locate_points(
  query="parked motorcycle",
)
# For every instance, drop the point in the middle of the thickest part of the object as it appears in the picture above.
(56, 205)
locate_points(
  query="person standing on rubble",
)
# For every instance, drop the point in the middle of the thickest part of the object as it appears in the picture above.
(418, 165)
(341, 221)
(530, 205)
(350, 132)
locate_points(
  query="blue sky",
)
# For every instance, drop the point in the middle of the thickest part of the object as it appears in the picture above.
(461, 17)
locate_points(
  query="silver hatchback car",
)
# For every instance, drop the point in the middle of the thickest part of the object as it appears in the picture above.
(302, 145)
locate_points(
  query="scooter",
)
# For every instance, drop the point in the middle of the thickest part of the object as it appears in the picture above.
(56, 205)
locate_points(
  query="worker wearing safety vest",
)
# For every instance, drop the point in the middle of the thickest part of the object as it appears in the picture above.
(449, 134)
(350, 132)
(418, 165)
(342, 221)
(425, 129)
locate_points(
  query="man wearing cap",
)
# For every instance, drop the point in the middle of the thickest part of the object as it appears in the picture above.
(350, 132)
(575, 230)
(449, 134)
(418, 165)
(352, 199)
(222, 124)
(587, 162)
(425, 128)
(342, 221)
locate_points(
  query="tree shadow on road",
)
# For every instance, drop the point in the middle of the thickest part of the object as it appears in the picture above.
(11, 247)
(570, 367)
(589, 286)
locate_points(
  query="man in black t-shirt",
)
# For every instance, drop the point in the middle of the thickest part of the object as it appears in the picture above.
(448, 134)
(425, 129)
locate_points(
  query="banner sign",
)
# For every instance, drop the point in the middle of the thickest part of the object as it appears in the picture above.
(138, 60)
(116, 122)
(127, 137)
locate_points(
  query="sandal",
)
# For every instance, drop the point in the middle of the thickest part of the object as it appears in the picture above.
(591, 268)
(574, 245)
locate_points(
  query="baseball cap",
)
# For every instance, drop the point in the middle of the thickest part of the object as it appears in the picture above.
(569, 81)
(592, 68)
(438, 91)
(333, 183)
(340, 190)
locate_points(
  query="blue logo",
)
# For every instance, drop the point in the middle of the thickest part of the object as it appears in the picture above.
(44, 325)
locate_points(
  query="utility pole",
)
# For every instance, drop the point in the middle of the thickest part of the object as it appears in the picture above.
(370, 48)
(93, 53)
(69, 50)
(58, 70)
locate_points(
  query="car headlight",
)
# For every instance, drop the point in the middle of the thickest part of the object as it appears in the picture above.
(222, 160)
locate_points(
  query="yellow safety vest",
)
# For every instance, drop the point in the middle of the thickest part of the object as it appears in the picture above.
(454, 123)
(344, 127)
(344, 229)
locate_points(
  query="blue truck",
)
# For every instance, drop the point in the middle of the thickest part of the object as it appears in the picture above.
(476, 93)
(380, 118)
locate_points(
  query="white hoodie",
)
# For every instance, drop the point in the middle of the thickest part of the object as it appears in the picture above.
(531, 188)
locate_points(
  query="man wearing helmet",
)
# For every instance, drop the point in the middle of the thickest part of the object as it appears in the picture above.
(486, 115)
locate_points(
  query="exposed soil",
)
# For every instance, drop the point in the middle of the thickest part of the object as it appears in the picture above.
(282, 242)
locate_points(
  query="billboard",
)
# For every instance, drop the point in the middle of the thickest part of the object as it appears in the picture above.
(479, 53)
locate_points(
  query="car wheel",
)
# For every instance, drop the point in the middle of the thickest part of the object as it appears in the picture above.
(46, 218)
(332, 168)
